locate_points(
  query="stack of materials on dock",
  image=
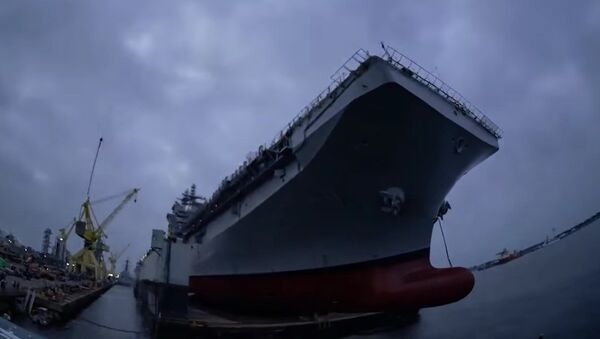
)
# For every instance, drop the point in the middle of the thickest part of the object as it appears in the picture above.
(36, 284)
(53, 286)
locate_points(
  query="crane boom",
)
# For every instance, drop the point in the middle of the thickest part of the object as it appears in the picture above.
(116, 211)
(93, 168)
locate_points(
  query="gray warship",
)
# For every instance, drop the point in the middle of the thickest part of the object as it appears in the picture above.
(336, 214)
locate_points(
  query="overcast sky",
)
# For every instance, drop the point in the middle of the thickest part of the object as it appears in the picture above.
(182, 91)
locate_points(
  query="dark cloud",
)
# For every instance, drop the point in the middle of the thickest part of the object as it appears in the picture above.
(182, 91)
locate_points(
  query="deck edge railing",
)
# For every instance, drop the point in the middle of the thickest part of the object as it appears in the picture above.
(335, 89)
(435, 84)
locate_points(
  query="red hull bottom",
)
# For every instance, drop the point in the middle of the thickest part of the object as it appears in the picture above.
(398, 285)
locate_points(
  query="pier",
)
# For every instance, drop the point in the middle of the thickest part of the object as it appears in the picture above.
(73, 302)
(47, 302)
(37, 286)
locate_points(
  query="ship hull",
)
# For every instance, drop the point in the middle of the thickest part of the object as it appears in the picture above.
(348, 229)
(401, 284)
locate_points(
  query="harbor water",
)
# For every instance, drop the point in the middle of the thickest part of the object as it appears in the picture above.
(551, 293)
(113, 315)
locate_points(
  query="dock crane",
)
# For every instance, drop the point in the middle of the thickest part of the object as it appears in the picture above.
(101, 246)
(90, 259)
(113, 259)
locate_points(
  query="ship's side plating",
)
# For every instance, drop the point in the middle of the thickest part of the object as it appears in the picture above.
(346, 224)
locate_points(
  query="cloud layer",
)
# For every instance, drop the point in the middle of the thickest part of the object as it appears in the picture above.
(182, 91)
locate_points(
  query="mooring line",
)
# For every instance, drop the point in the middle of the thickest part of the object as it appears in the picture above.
(445, 245)
(109, 327)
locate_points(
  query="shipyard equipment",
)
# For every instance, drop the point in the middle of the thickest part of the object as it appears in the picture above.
(89, 260)
(46, 241)
(60, 249)
(112, 259)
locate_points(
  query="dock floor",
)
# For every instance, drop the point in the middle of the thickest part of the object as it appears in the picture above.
(210, 322)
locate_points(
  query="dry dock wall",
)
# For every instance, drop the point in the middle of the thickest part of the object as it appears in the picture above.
(162, 281)
(168, 261)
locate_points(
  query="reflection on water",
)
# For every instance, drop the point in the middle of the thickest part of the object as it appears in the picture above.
(553, 292)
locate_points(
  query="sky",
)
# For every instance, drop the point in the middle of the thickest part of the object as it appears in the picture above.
(181, 91)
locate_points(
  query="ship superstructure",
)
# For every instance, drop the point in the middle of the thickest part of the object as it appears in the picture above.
(182, 210)
(162, 274)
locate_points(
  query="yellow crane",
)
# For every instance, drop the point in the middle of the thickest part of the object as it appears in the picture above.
(88, 260)
(113, 260)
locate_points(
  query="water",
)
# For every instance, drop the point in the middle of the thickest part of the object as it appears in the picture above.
(116, 309)
(552, 292)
